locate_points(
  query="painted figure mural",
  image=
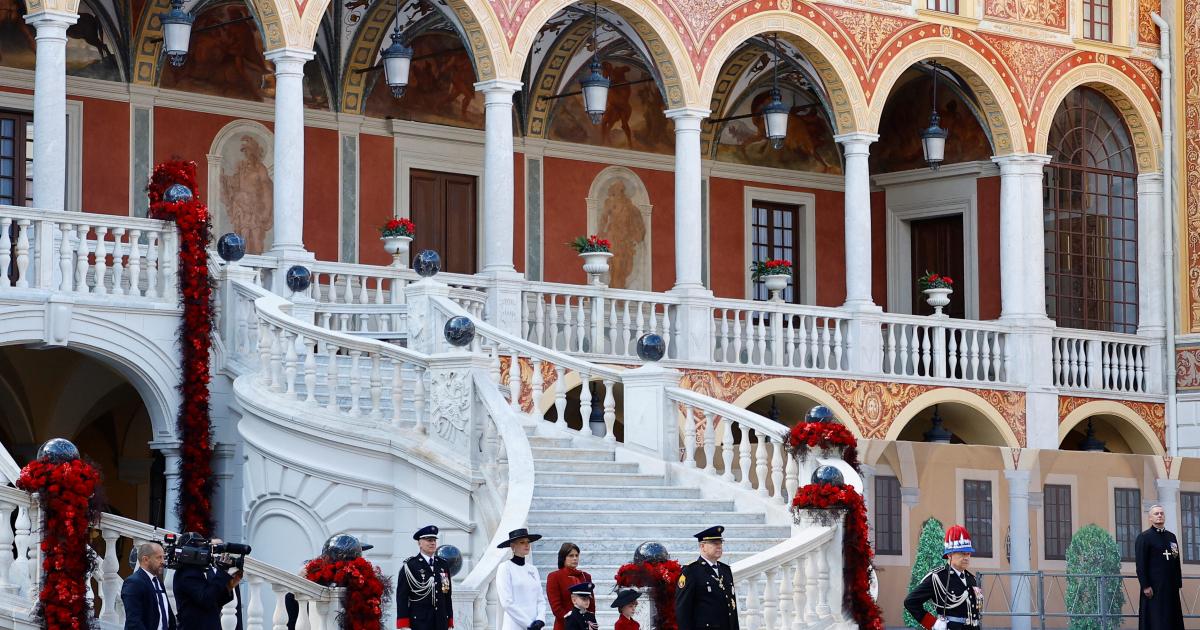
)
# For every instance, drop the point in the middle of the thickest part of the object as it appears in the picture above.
(808, 145)
(619, 210)
(90, 50)
(443, 81)
(633, 120)
(246, 191)
(225, 61)
(907, 113)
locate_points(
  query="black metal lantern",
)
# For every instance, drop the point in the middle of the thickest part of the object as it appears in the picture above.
(177, 32)
(937, 434)
(933, 138)
(776, 113)
(595, 85)
(1090, 443)
(397, 59)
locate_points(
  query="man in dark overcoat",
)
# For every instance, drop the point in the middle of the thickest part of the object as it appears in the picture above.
(1160, 576)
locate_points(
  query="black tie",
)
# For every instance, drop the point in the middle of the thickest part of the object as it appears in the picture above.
(159, 596)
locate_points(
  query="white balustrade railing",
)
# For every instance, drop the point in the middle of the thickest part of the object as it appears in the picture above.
(766, 334)
(727, 442)
(796, 584)
(944, 348)
(83, 253)
(1106, 362)
(380, 321)
(594, 320)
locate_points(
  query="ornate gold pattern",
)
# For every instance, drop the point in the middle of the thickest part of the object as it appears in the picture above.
(868, 31)
(1191, 154)
(1153, 414)
(1048, 13)
(552, 74)
(1147, 31)
(1187, 368)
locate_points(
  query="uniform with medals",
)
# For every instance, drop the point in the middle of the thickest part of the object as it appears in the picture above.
(581, 619)
(704, 595)
(955, 594)
(423, 590)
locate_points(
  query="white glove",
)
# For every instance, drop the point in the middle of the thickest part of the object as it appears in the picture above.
(940, 624)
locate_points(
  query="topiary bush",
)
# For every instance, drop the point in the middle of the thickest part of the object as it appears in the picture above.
(1094, 551)
(929, 557)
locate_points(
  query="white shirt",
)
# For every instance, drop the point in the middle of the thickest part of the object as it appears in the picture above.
(521, 595)
(162, 598)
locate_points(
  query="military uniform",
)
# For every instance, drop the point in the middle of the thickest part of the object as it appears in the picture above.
(955, 595)
(704, 595)
(581, 619)
(423, 591)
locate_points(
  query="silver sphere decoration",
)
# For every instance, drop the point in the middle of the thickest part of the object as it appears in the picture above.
(231, 247)
(342, 547)
(828, 476)
(820, 413)
(651, 347)
(298, 278)
(427, 263)
(58, 451)
(651, 552)
(177, 193)
(452, 556)
(459, 331)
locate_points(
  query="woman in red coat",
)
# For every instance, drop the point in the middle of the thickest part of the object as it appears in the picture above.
(559, 583)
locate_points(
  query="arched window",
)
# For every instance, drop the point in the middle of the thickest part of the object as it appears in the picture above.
(1090, 203)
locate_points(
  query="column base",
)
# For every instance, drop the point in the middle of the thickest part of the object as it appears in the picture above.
(692, 290)
(290, 252)
(862, 306)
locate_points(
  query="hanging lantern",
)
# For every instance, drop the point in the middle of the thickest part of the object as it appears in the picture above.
(933, 138)
(177, 32)
(396, 61)
(776, 113)
(595, 93)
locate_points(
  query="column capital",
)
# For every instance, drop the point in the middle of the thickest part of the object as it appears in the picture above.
(687, 113)
(289, 54)
(856, 140)
(1151, 182)
(1021, 162)
(169, 448)
(504, 87)
(51, 18)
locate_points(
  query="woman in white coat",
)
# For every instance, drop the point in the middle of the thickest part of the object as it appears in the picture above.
(521, 595)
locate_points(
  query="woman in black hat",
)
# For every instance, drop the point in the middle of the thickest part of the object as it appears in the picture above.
(520, 586)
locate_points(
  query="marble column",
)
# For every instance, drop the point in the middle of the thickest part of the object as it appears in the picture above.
(171, 461)
(688, 220)
(1150, 260)
(289, 151)
(50, 108)
(498, 175)
(1022, 237)
(1034, 236)
(857, 148)
(1168, 497)
(1018, 533)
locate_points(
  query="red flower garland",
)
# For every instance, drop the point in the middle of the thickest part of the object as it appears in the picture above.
(826, 435)
(65, 493)
(856, 549)
(367, 590)
(195, 339)
(661, 578)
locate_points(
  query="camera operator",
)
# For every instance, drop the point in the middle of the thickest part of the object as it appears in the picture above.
(202, 590)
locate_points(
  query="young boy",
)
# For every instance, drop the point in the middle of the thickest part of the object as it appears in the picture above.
(580, 618)
(626, 604)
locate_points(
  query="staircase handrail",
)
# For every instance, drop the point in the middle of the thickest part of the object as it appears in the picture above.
(9, 469)
(800, 544)
(721, 408)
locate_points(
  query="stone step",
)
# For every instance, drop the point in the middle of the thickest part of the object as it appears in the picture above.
(546, 549)
(541, 441)
(646, 531)
(585, 479)
(606, 559)
(677, 508)
(567, 465)
(614, 492)
(575, 454)
(645, 518)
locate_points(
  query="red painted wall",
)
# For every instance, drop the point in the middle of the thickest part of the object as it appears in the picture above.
(106, 158)
(376, 196)
(988, 226)
(565, 190)
(321, 170)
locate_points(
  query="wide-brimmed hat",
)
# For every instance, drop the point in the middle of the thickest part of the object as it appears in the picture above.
(626, 596)
(958, 540)
(518, 534)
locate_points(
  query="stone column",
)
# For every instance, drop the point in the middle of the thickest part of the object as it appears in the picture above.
(170, 452)
(1018, 534)
(1168, 497)
(1022, 239)
(1150, 262)
(50, 108)
(688, 221)
(856, 147)
(1034, 236)
(498, 175)
(289, 151)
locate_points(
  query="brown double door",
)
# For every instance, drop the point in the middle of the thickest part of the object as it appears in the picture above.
(937, 246)
(443, 207)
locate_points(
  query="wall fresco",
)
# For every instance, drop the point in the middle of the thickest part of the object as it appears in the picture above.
(808, 145)
(1187, 368)
(899, 147)
(91, 51)
(1048, 13)
(1191, 157)
(246, 189)
(441, 86)
(633, 120)
(1147, 31)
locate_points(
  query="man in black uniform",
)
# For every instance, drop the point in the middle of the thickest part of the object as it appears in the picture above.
(1156, 555)
(580, 618)
(423, 588)
(704, 597)
(954, 591)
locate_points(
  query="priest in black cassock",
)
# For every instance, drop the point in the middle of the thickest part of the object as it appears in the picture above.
(1159, 574)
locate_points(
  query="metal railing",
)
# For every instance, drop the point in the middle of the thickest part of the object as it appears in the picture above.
(1050, 599)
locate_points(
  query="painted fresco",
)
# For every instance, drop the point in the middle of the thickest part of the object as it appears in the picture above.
(619, 210)
(907, 113)
(1048, 13)
(244, 185)
(808, 146)
(225, 61)
(90, 50)
(441, 86)
(17, 42)
(634, 117)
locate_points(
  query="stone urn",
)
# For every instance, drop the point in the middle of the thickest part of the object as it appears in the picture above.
(938, 297)
(397, 246)
(776, 283)
(595, 265)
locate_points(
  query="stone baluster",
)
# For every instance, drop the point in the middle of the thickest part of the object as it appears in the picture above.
(778, 462)
(585, 403)
(514, 380)
(479, 618)
(320, 612)
(537, 383)
(710, 443)
(560, 395)
(689, 437)
(23, 541)
(6, 532)
(744, 448)
(810, 589)
(22, 253)
(761, 465)
(493, 601)
(727, 449)
(310, 371)
(376, 384)
(355, 383)
(610, 411)
(280, 617)
(791, 477)
(753, 612)
(290, 362)
(798, 594)
(823, 584)
(419, 398)
(5, 251)
(397, 390)
(229, 615)
(110, 586)
(331, 376)
(770, 598)
(277, 383)
(254, 608)
(303, 620)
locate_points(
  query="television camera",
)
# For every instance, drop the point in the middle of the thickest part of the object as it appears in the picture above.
(194, 550)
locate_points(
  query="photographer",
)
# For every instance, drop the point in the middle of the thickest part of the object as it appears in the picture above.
(202, 588)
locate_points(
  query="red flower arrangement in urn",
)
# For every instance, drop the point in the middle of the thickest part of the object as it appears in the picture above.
(595, 252)
(397, 235)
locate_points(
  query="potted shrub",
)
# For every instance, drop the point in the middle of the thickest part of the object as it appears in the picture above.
(937, 289)
(775, 274)
(397, 236)
(595, 252)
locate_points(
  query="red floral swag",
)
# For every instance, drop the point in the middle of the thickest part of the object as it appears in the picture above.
(195, 339)
(805, 436)
(366, 590)
(65, 493)
(661, 578)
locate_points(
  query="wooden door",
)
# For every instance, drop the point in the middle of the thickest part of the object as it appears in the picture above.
(443, 207)
(937, 246)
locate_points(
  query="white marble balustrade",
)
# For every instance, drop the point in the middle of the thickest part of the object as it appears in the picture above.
(946, 348)
(594, 320)
(1103, 362)
(763, 334)
(794, 586)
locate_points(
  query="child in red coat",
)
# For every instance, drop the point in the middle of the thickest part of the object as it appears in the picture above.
(626, 604)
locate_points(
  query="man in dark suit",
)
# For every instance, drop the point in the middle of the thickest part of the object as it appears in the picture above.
(143, 595)
(201, 592)
(423, 587)
(952, 588)
(1156, 555)
(704, 595)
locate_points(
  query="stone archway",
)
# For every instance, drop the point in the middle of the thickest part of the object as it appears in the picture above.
(843, 90)
(1126, 97)
(1116, 418)
(1000, 111)
(965, 413)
